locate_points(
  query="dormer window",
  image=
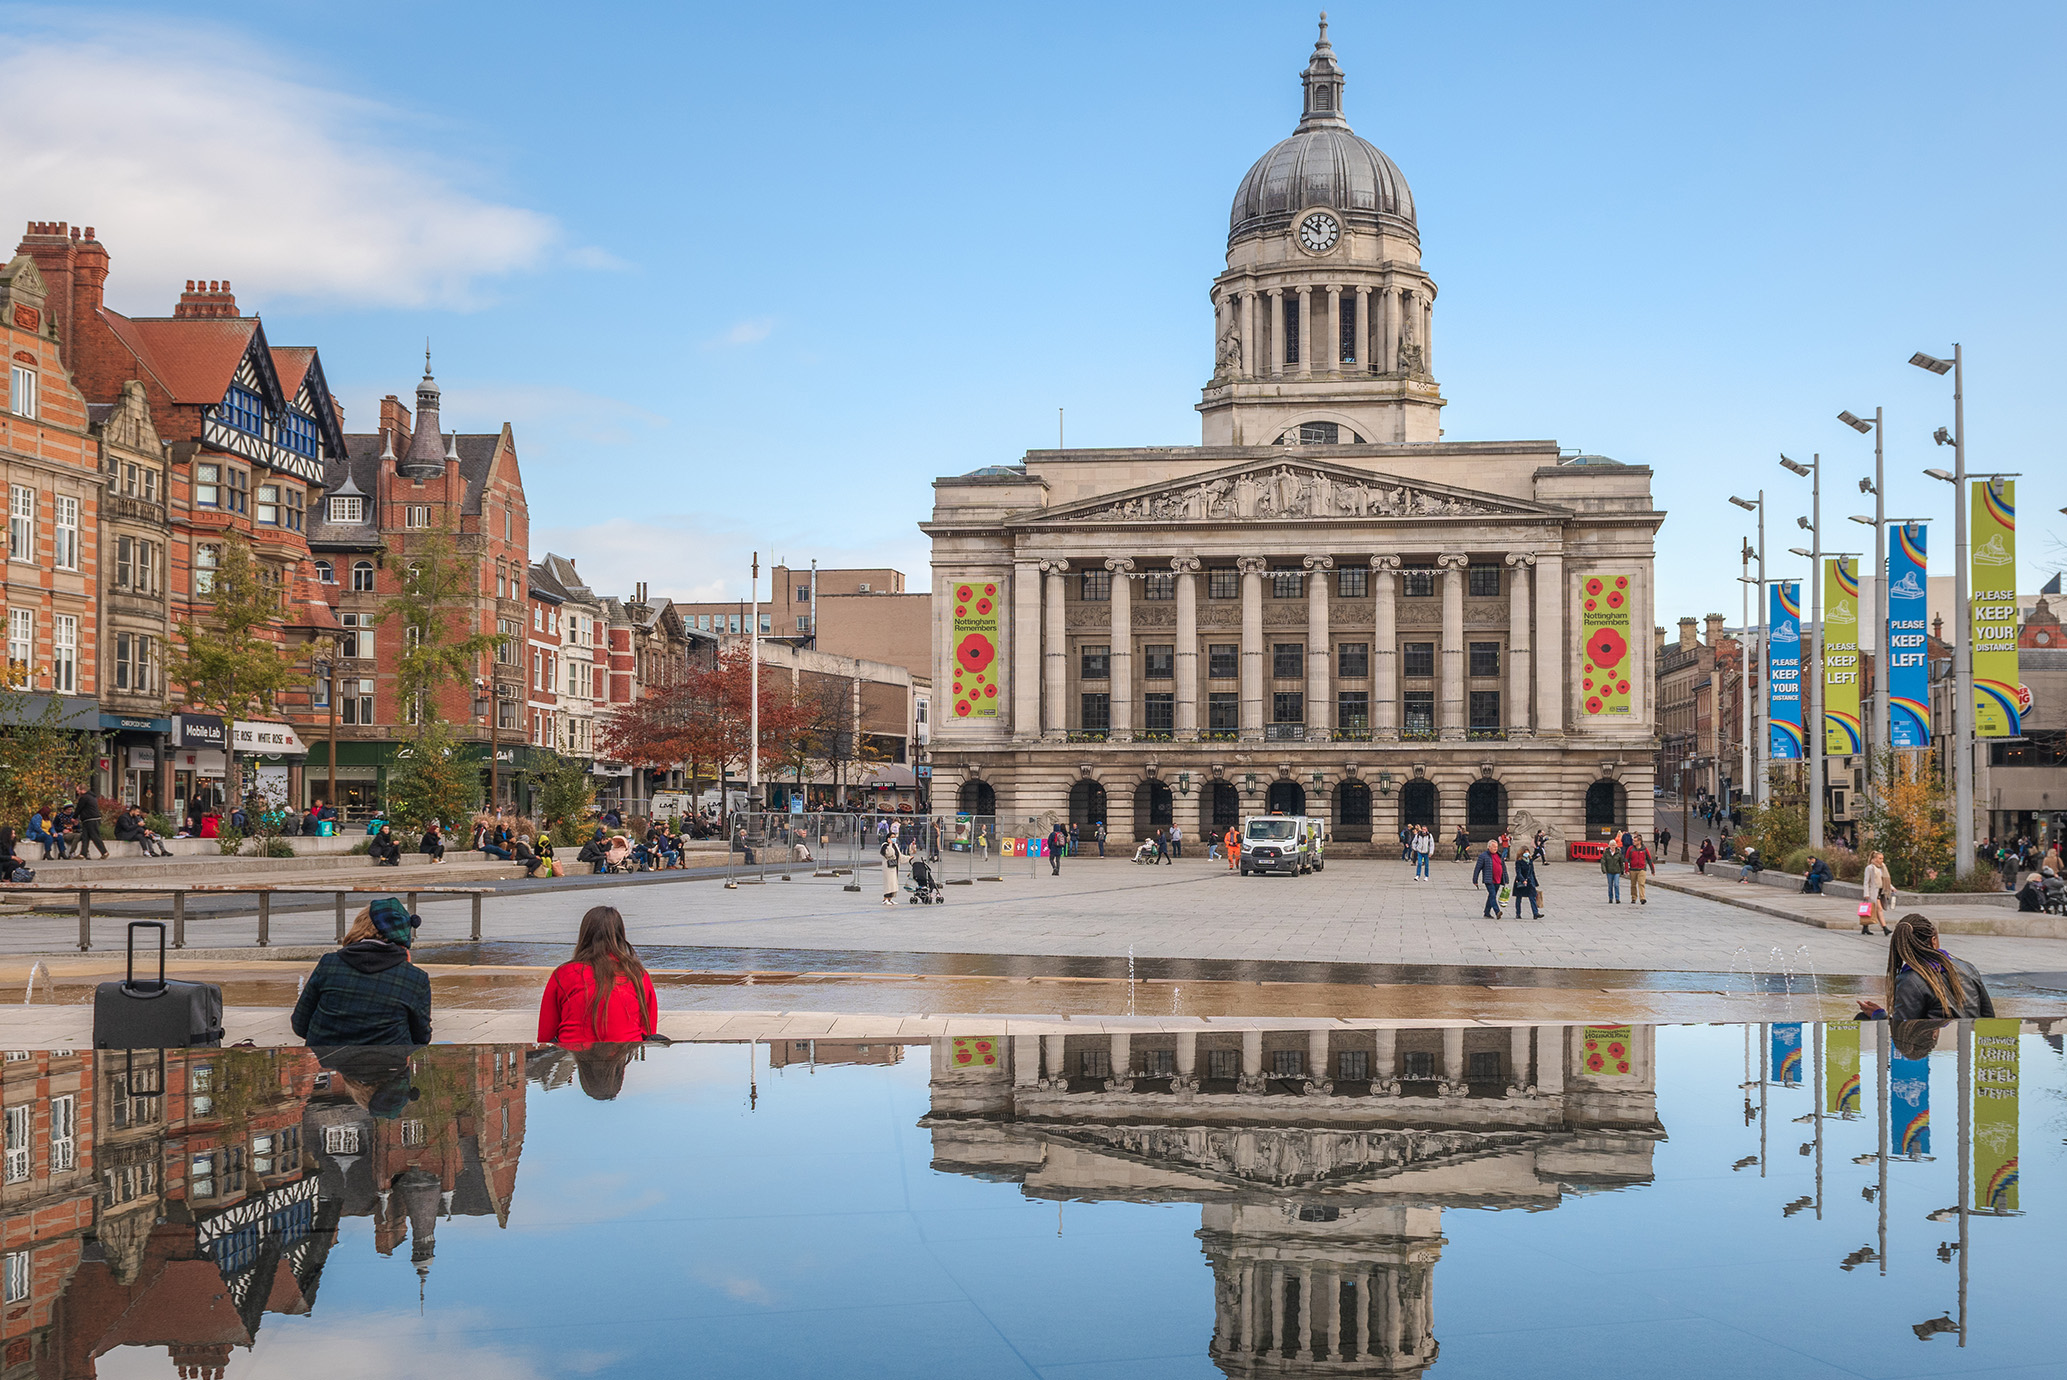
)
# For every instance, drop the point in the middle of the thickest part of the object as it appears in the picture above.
(297, 432)
(350, 509)
(242, 409)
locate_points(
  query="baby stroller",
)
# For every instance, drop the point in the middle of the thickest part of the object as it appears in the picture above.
(925, 885)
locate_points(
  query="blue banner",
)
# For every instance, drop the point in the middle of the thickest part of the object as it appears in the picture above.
(1787, 1054)
(1908, 656)
(1909, 1100)
(1783, 672)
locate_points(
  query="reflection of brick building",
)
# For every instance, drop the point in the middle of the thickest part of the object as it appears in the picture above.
(784, 1053)
(46, 1192)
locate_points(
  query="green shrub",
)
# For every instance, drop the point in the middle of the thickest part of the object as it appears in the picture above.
(228, 841)
(274, 847)
(1972, 880)
(362, 847)
(163, 825)
(1796, 862)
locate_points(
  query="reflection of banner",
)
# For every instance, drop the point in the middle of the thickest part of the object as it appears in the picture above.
(1909, 672)
(1994, 626)
(1995, 1114)
(979, 661)
(1841, 727)
(1783, 672)
(1909, 1099)
(976, 1051)
(1841, 1066)
(1787, 1054)
(1604, 661)
(1608, 1049)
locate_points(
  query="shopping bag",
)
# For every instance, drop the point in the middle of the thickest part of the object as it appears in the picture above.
(1865, 910)
(1506, 894)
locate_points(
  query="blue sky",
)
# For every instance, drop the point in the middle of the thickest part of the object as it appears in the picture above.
(752, 276)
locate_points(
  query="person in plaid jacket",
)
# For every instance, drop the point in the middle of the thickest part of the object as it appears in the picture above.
(368, 992)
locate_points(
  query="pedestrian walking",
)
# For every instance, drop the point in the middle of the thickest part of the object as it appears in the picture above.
(1639, 864)
(1057, 841)
(891, 858)
(1233, 840)
(1463, 842)
(1407, 836)
(1486, 871)
(1162, 843)
(1101, 838)
(1612, 863)
(89, 823)
(1424, 852)
(1877, 889)
(1664, 842)
(1525, 884)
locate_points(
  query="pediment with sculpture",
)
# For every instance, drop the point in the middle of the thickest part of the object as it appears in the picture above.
(1292, 490)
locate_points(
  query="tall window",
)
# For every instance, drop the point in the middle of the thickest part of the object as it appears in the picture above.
(1094, 586)
(354, 643)
(1482, 581)
(1417, 584)
(268, 505)
(1223, 583)
(297, 432)
(511, 630)
(1223, 713)
(1096, 711)
(21, 398)
(1288, 660)
(17, 1269)
(125, 650)
(1420, 714)
(326, 572)
(1094, 662)
(1159, 661)
(21, 638)
(206, 559)
(1485, 658)
(1417, 660)
(351, 508)
(1353, 711)
(20, 1125)
(64, 1130)
(362, 577)
(1223, 660)
(64, 653)
(65, 543)
(1288, 707)
(1287, 584)
(236, 490)
(21, 523)
(537, 671)
(355, 702)
(1353, 583)
(208, 486)
(416, 515)
(1347, 345)
(1353, 659)
(242, 409)
(1485, 710)
(1159, 585)
(1159, 712)
(1291, 302)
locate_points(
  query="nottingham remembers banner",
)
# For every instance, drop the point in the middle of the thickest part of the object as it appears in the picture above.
(1842, 735)
(1995, 1114)
(1605, 662)
(1998, 698)
(978, 662)
(1783, 672)
(1908, 656)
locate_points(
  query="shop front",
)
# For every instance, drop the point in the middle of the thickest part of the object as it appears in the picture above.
(137, 747)
(270, 757)
(198, 760)
(361, 777)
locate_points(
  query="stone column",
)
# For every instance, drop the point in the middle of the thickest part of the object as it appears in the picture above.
(1550, 641)
(1026, 649)
(1320, 716)
(1385, 655)
(1277, 1308)
(1317, 1070)
(1187, 1059)
(1275, 314)
(1450, 702)
(1517, 716)
(1518, 1080)
(1252, 1062)
(1302, 1342)
(1304, 308)
(1428, 335)
(1054, 1075)
(1253, 364)
(1357, 1318)
(1122, 648)
(1332, 355)
(1327, 1313)
(1122, 1060)
(1252, 646)
(1550, 1060)
(1187, 568)
(1385, 1064)
(1388, 360)
(1363, 329)
(1453, 1060)
(1054, 666)
(1026, 1061)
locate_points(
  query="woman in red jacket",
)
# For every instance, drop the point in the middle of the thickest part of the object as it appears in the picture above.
(603, 994)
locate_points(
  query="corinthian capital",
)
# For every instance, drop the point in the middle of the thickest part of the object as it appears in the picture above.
(1453, 560)
(1119, 565)
(1385, 563)
(1055, 565)
(1252, 565)
(1318, 562)
(1185, 565)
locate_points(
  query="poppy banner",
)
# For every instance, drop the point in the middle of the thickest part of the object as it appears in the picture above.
(1783, 672)
(1998, 700)
(979, 660)
(1608, 1050)
(1909, 671)
(1842, 735)
(1605, 661)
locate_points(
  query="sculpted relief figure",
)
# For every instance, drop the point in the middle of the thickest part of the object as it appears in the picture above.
(1284, 492)
(1230, 356)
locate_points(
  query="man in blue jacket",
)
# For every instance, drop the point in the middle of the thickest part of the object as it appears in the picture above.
(1487, 871)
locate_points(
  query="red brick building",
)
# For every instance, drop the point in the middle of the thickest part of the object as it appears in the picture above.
(46, 1193)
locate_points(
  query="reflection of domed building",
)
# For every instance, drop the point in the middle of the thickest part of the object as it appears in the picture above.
(1322, 1158)
(1327, 607)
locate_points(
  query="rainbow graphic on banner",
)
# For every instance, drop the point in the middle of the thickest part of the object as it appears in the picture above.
(1908, 656)
(1783, 673)
(1843, 732)
(1993, 628)
(1995, 1113)
(1841, 1067)
(1909, 1099)
(1787, 1054)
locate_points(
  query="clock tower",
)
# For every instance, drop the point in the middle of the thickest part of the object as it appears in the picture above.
(1323, 317)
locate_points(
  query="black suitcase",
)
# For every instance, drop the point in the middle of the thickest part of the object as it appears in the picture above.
(155, 1015)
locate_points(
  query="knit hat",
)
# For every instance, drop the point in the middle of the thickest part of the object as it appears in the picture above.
(394, 921)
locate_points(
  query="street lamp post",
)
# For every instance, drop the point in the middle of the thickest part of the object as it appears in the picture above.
(1877, 733)
(1811, 667)
(1744, 677)
(1757, 753)
(1962, 646)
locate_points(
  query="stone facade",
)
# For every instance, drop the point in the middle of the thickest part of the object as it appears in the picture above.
(1326, 608)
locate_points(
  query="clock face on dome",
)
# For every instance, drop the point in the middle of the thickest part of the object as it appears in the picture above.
(1319, 231)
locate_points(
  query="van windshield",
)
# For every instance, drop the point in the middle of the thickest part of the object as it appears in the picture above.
(1270, 828)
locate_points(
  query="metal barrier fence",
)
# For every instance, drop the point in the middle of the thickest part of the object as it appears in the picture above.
(773, 846)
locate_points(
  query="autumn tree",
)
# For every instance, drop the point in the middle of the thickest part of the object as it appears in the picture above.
(434, 605)
(229, 659)
(41, 760)
(1905, 817)
(706, 719)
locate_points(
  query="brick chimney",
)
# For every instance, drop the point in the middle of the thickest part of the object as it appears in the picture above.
(206, 299)
(394, 420)
(1686, 633)
(52, 244)
(1658, 648)
(1715, 629)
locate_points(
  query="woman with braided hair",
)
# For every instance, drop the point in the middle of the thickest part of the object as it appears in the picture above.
(1926, 983)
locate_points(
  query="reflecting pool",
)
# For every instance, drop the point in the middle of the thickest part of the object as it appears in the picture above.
(1275, 1199)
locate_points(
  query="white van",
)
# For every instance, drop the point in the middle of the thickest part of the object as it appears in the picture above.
(1277, 843)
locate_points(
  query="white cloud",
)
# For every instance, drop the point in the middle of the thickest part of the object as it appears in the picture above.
(283, 186)
(749, 332)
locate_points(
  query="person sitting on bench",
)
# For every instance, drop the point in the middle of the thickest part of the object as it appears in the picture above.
(130, 828)
(1818, 873)
(383, 849)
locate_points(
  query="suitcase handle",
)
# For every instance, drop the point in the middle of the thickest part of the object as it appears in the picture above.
(129, 978)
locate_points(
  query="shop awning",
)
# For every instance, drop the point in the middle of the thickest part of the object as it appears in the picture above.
(262, 738)
(890, 776)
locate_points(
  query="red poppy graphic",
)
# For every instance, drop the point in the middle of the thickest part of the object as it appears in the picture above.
(1615, 1048)
(1615, 600)
(1592, 1043)
(960, 610)
(1593, 586)
(961, 709)
(990, 589)
(1621, 1066)
(1593, 705)
(975, 652)
(990, 692)
(1621, 687)
(963, 594)
(1595, 1062)
(1606, 647)
(1622, 582)
(1589, 606)
(984, 606)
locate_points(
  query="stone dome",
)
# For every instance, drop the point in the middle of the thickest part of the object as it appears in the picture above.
(1323, 163)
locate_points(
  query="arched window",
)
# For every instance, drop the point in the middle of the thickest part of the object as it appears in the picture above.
(1285, 798)
(1485, 809)
(1220, 807)
(362, 577)
(1152, 808)
(1353, 812)
(1087, 803)
(978, 798)
(1419, 803)
(326, 572)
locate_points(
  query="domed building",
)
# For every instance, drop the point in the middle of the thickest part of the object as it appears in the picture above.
(1327, 607)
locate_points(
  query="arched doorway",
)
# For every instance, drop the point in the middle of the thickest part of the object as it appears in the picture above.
(1087, 803)
(1485, 810)
(1152, 808)
(1285, 798)
(1353, 812)
(1418, 804)
(1220, 808)
(977, 798)
(1607, 808)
